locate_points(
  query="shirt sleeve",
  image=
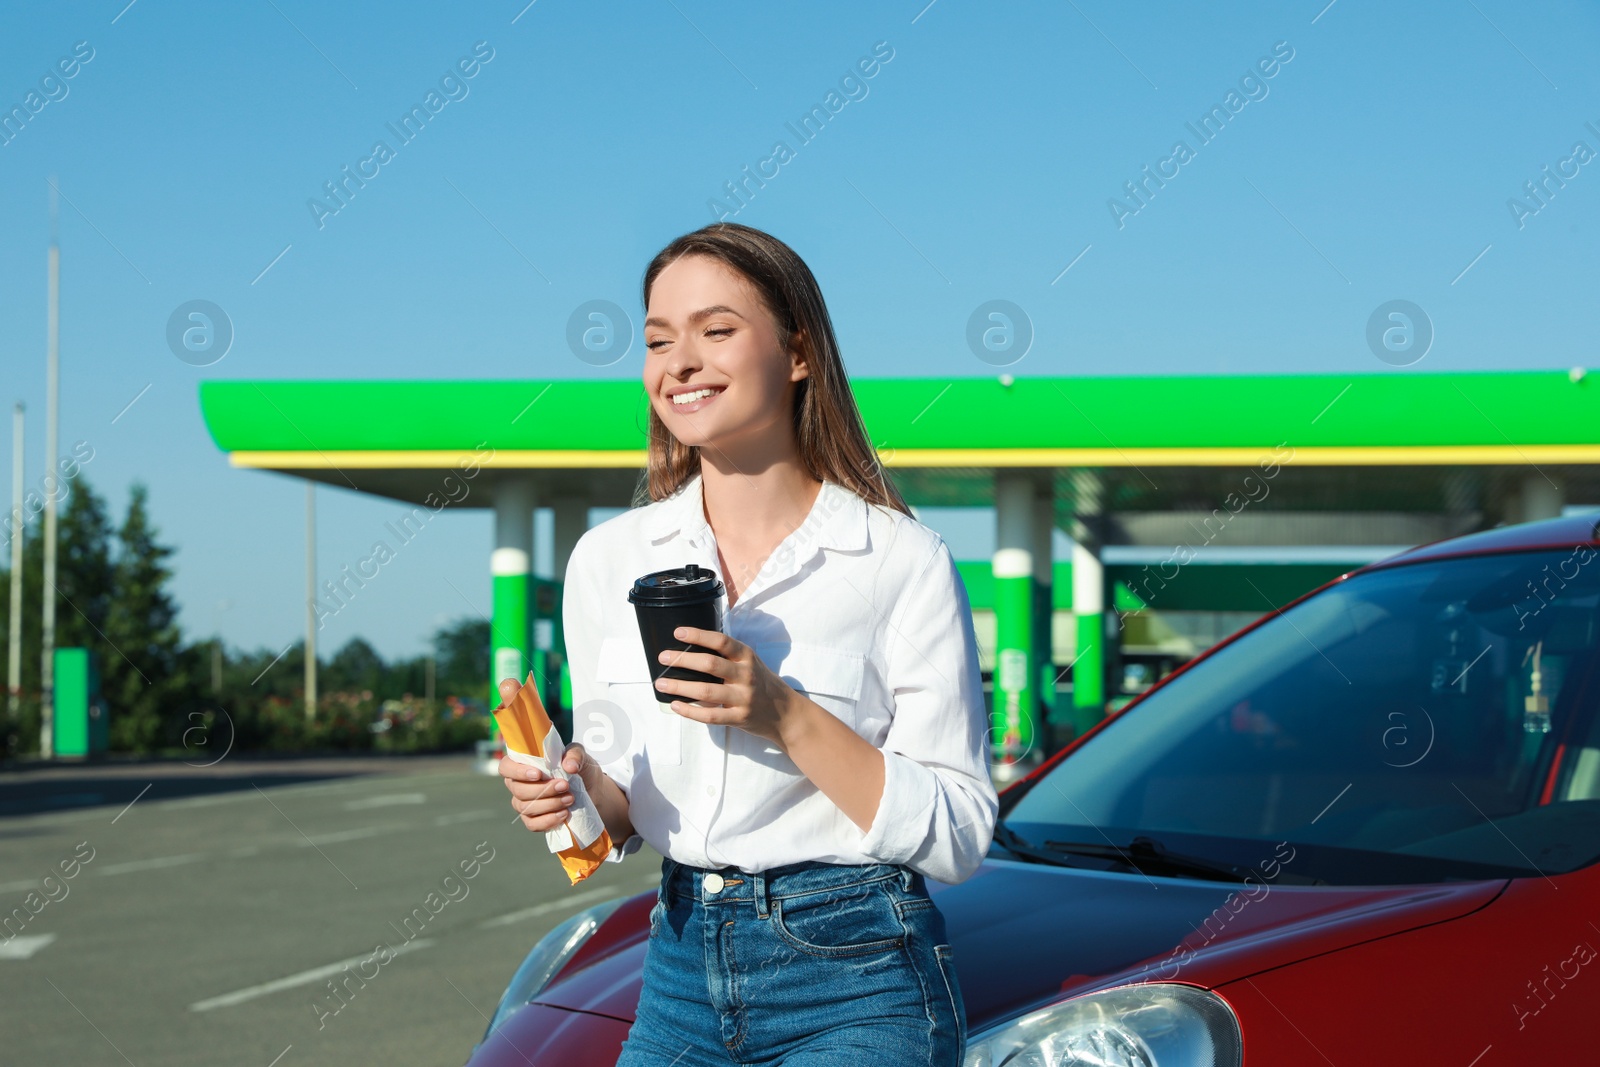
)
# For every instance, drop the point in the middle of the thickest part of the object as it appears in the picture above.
(938, 808)
(582, 629)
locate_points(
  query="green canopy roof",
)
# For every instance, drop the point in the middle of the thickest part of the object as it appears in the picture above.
(1397, 410)
(1157, 443)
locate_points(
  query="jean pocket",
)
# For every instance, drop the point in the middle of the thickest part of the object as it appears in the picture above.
(910, 904)
(841, 922)
(945, 955)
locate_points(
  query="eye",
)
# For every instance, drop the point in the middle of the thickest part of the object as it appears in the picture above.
(722, 330)
(653, 345)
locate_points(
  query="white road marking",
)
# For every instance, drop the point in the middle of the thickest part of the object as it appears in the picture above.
(385, 801)
(347, 835)
(151, 864)
(206, 800)
(464, 816)
(23, 946)
(17, 887)
(74, 815)
(316, 974)
(546, 908)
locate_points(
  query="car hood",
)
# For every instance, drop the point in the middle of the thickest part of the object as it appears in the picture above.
(1026, 934)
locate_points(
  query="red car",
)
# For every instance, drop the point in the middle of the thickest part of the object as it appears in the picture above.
(1361, 831)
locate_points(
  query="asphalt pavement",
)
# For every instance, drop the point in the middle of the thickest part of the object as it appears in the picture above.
(164, 914)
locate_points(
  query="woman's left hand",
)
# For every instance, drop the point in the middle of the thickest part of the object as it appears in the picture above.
(750, 696)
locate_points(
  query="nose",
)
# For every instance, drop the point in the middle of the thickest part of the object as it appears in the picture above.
(682, 362)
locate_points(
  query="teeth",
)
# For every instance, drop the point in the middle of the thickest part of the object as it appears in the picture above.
(689, 398)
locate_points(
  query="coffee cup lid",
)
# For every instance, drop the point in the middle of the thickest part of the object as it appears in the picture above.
(689, 584)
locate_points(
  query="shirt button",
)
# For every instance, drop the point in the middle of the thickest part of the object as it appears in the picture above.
(711, 790)
(713, 883)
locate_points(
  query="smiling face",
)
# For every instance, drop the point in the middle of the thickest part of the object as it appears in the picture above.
(715, 368)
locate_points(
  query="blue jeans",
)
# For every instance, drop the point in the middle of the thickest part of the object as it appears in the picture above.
(806, 965)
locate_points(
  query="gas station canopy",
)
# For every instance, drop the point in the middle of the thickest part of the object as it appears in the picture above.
(1213, 463)
(1394, 420)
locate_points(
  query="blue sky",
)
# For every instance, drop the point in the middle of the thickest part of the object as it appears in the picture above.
(976, 163)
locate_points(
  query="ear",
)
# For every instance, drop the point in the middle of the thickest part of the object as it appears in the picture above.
(799, 364)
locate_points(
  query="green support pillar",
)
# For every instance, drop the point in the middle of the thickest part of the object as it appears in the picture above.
(511, 565)
(512, 656)
(1088, 610)
(1014, 732)
(1014, 654)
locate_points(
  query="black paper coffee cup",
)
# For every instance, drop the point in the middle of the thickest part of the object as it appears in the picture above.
(665, 600)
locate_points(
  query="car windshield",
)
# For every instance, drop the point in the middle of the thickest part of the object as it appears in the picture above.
(1423, 723)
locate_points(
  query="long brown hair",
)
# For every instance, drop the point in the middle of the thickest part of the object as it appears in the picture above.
(831, 440)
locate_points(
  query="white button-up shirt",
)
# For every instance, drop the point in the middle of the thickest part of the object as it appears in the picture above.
(863, 611)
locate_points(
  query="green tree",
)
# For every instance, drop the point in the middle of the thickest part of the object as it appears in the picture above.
(356, 667)
(461, 651)
(149, 677)
(85, 573)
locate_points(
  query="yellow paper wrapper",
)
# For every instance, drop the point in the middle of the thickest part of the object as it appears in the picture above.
(526, 727)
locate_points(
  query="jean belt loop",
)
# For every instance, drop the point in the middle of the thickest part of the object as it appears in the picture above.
(758, 892)
(907, 875)
(669, 867)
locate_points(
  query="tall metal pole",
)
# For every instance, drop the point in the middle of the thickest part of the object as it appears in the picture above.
(311, 600)
(52, 416)
(14, 638)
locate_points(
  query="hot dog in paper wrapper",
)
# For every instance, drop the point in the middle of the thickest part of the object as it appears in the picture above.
(531, 738)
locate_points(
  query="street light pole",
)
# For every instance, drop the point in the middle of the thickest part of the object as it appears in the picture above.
(14, 637)
(311, 600)
(52, 415)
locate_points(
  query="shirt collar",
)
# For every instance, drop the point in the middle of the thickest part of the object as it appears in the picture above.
(838, 518)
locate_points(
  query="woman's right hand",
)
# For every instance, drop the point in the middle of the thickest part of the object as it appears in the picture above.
(543, 802)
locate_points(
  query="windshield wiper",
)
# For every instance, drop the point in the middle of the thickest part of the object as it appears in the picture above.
(1012, 842)
(1143, 854)
(1152, 857)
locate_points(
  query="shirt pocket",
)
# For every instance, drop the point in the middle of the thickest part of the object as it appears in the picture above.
(830, 677)
(622, 662)
(621, 669)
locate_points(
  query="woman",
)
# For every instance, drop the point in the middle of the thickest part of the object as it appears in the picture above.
(801, 801)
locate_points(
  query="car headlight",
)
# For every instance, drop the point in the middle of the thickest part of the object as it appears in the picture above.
(547, 957)
(1154, 1025)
